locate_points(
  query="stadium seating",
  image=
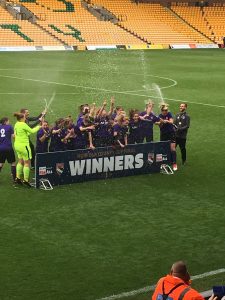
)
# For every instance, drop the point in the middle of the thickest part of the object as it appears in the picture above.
(215, 16)
(61, 22)
(21, 32)
(75, 26)
(153, 21)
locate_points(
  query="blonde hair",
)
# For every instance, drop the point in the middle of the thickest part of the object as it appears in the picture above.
(149, 103)
(164, 106)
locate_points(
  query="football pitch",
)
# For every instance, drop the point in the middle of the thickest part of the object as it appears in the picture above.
(96, 239)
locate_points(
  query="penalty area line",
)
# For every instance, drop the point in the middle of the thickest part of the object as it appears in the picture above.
(152, 287)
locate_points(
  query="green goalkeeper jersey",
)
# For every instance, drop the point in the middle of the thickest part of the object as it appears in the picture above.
(22, 132)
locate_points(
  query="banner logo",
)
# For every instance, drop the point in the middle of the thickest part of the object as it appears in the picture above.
(42, 171)
(59, 168)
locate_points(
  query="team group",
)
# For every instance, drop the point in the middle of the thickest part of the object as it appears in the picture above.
(94, 127)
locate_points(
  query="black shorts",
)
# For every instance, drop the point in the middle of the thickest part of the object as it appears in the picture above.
(168, 136)
(8, 155)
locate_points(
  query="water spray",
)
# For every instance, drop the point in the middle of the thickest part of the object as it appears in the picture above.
(50, 101)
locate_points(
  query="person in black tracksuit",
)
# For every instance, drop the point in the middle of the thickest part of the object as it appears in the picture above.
(182, 121)
(35, 121)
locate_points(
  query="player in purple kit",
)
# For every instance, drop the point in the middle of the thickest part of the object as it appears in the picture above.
(148, 119)
(167, 132)
(43, 136)
(118, 111)
(84, 109)
(86, 128)
(135, 129)
(57, 135)
(79, 139)
(69, 133)
(120, 131)
(6, 149)
(103, 130)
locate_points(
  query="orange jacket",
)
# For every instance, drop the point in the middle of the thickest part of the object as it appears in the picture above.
(169, 283)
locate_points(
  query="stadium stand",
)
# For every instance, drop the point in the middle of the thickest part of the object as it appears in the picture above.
(71, 23)
(194, 16)
(21, 32)
(75, 26)
(215, 17)
(154, 22)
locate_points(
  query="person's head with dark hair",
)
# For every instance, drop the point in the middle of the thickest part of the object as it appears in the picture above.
(84, 109)
(4, 121)
(118, 109)
(68, 122)
(45, 125)
(59, 122)
(183, 107)
(25, 111)
(134, 115)
(179, 269)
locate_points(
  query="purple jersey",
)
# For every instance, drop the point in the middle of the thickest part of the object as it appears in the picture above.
(42, 147)
(103, 129)
(135, 128)
(80, 119)
(121, 132)
(167, 127)
(80, 139)
(150, 120)
(6, 132)
(113, 116)
(56, 140)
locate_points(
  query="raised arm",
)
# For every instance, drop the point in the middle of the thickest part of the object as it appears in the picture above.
(112, 104)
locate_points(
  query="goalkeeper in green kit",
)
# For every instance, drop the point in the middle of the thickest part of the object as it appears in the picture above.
(22, 148)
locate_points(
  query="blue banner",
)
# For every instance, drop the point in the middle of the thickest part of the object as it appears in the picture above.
(66, 167)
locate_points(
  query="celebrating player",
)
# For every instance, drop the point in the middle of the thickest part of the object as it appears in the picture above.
(22, 148)
(103, 129)
(120, 131)
(57, 135)
(6, 149)
(135, 129)
(69, 133)
(87, 127)
(148, 119)
(167, 132)
(43, 136)
(35, 122)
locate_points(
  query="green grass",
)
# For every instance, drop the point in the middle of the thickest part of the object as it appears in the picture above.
(95, 239)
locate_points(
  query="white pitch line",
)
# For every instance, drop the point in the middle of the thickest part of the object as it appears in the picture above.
(152, 287)
(45, 94)
(174, 82)
(16, 93)
(108, 91)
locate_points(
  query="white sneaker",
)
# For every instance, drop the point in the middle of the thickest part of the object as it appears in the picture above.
(174, 167)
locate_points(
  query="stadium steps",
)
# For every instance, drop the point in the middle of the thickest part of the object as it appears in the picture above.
(215, 16)
(143, 39)
(51, 34)
(152, 22)
(14, 32)
(100, 12)
(189, 24)
(44, 29)
(118, 24)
